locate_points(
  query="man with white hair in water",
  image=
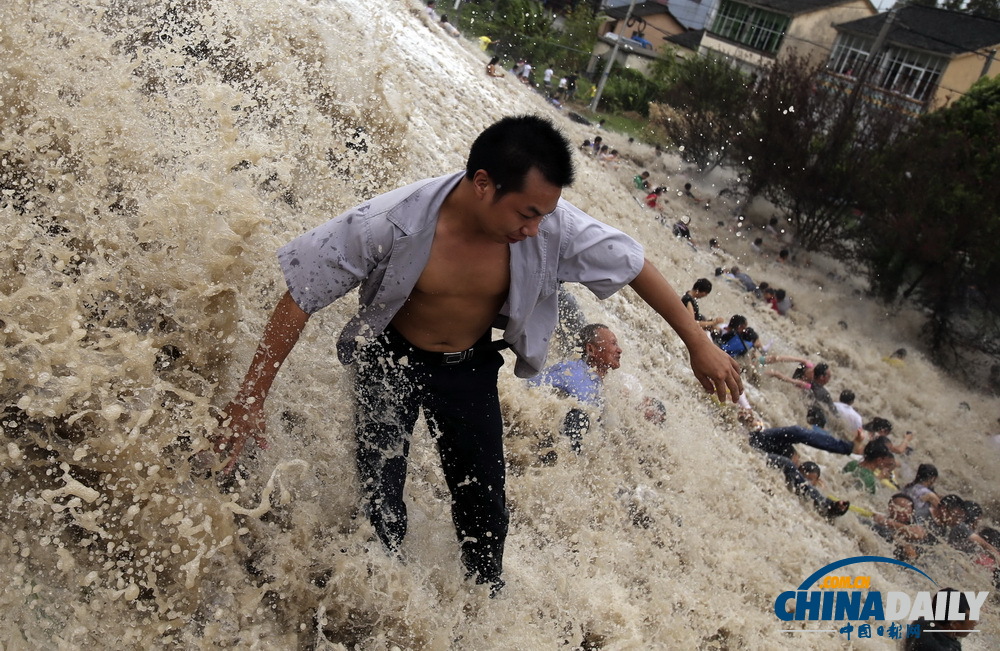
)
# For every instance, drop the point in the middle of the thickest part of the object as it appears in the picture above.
(439, 264)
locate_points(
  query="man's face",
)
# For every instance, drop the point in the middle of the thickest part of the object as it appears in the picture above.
(901, 510)
(516, 216)
(952, 516)
(887, 464)
(603, 353)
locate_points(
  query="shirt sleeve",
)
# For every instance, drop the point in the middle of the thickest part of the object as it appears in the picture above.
(600, 257)
(329, 261)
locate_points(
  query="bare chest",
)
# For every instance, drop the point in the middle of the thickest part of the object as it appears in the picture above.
(459, 270)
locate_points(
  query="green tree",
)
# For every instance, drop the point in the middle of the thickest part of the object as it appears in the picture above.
(708, 100)
(932, 221)
(805, 147)
(528, 29)
(629, 90)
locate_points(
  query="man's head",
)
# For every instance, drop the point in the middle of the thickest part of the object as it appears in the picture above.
(701, 288)
(959, 627)
(815, 416)
(821, 373)
(600, 348)
(901, 508)
(950, 510)
(847, 397)
(877, 456)
(811, 471)
(879, 426)
(738, 323)
(509, 149)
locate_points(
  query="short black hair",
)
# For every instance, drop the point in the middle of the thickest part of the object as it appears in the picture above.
(816, 416)
(973, 511)
(509, 148)
(736, 321)
(990, 535)
(821, 369)
(702, 285)
(808, 467)
(847, 396)
(750, 335)
(952, 502)
(879, 424)
(877, 449)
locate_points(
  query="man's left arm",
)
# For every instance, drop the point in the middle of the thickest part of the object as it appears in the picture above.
(717, 371)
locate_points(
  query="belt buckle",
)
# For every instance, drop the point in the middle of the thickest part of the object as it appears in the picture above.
(449, 359)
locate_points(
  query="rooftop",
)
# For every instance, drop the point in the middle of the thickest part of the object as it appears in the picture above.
(931, 29)
(793, 7)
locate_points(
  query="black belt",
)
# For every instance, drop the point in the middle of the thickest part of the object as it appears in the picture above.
(400, 345)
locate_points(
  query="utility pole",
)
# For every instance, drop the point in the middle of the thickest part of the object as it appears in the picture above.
(611, 61)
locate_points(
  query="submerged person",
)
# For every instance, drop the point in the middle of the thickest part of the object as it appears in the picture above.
(877, 464)
(945, 633)
(921, 490)
(583, 378)
(778, 445)
(439, 264)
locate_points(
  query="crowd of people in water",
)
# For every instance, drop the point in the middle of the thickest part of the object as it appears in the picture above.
(918, 514)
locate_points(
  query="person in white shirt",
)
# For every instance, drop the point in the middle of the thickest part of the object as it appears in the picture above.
(845, 409)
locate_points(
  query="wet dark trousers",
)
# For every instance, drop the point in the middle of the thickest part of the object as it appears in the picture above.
(462, 408)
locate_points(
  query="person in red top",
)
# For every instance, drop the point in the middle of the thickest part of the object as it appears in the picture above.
(652, 197)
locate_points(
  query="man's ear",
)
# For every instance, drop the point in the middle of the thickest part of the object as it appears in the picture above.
(482, 184)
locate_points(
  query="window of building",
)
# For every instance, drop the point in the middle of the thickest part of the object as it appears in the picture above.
(906, 72)
(910, 73)
(755, 28)
(849, 54)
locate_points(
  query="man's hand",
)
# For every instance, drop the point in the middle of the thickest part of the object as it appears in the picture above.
(241, 421)
(717, 371)
(244, 416)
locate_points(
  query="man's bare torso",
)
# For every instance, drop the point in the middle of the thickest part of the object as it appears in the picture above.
(459, 292)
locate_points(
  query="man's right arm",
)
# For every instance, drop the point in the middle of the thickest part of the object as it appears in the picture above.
(244, 415)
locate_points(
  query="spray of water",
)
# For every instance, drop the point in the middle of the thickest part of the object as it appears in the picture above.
(153, 156)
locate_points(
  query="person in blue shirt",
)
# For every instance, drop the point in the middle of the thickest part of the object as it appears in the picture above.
(740, 343)
(583, 378)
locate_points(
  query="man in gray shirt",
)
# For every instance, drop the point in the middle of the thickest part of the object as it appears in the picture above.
(438, 264)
